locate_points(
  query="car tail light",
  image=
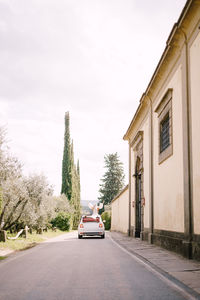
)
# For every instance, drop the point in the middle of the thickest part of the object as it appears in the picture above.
(81, 226)
(101, 225)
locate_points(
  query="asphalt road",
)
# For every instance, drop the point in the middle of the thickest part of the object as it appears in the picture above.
(86, 269)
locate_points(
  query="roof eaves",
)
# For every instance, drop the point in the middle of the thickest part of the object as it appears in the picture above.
(125, 137)
(171, 35)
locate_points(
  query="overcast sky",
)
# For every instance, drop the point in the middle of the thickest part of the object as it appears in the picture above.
(93, 58)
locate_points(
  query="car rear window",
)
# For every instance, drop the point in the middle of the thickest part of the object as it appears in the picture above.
(90, 219)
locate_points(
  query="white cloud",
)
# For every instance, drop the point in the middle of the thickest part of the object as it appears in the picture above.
(90, 57)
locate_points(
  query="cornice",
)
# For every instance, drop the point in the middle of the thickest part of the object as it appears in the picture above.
(174, 41)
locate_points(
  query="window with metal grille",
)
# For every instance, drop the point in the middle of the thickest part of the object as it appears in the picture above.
(165, 124)
(164, 133)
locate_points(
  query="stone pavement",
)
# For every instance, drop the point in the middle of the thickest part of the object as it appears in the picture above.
(182, 271)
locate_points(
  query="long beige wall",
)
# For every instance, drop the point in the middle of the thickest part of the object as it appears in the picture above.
(120, 218)
(168, 176)
(195, 119)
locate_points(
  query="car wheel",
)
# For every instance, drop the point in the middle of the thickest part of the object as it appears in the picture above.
(80, 236)
(103, 236)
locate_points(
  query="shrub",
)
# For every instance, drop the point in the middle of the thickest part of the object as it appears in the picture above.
(107, 217)
(62, 221)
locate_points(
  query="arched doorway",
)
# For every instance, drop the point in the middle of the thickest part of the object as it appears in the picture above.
(138, 198)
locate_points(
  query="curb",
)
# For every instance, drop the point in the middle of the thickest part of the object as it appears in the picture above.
(182, 288)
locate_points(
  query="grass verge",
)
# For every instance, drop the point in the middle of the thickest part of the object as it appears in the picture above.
(2, 257)
(33, 239)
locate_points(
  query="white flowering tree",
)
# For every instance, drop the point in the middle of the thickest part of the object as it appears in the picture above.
(42, 206)
(25, 200)
(12, 192)
(61, 203)
(39, 200)
(15, 199)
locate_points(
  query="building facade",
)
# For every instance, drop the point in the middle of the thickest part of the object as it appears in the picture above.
(164, 145)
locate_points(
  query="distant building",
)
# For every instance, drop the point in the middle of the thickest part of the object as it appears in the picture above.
(164, 145)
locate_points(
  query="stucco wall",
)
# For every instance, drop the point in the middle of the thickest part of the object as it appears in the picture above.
(120, 219)
(195, 119)
(168, 176)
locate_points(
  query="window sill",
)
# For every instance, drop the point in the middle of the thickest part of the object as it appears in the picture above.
(165, 154)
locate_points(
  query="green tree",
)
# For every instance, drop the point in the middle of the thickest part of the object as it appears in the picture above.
(78, 195)
(71, 175)
(75, 198)
(79, 190)
(66, 162)
(113, 179)
(106, 216)
(62, 221)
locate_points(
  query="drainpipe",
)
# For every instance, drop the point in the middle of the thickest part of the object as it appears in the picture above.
(188, 209)
(129, 188)
(151, 206)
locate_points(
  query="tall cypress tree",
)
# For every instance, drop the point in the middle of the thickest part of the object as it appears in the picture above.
(71, 174)
(66, 162)
(75, 198)
(73, 179)
(78, 168)
(78, 192)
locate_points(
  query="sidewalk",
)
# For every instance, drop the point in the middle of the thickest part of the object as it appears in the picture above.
(185, 272)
